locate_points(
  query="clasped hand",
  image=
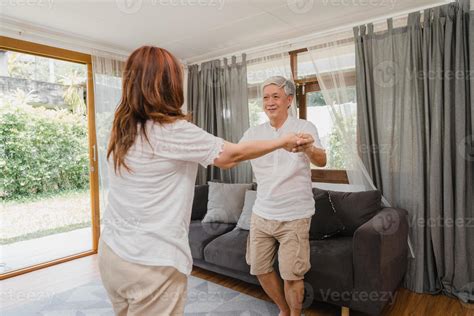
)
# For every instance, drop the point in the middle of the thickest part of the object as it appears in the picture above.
(300, 142)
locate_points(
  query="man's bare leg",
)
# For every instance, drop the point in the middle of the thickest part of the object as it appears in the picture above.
(272, 285)
(294, 293)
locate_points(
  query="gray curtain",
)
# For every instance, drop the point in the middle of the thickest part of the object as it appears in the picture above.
(217, 101)
(414, 114)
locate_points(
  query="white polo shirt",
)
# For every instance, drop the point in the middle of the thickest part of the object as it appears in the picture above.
(284, 186)
(148, 212)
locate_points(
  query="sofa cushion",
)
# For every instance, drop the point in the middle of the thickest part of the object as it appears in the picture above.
(244, 220)
(229, 250)
(200, 234)
(200, 202)
(225, 202)
(324, 223)
(317, 193)
(331, 265)
(355, 208)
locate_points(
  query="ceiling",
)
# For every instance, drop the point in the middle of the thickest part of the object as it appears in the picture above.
(191, 29)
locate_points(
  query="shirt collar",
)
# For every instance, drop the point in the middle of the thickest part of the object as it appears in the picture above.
(285, 124)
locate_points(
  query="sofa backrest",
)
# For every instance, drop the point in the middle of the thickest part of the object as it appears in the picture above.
(352, 208)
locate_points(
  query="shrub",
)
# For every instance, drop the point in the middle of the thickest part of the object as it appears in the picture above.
(41, 151)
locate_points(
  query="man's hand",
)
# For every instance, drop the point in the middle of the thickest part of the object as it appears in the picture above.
(292, 142)
(307, 143)
(316, 155)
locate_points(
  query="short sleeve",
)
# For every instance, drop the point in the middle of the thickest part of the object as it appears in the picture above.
(310, 128)
(185, 141)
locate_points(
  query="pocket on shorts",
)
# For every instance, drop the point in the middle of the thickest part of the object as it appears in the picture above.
(302, 259)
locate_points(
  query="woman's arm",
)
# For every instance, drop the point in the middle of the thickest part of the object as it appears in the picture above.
(232, 154)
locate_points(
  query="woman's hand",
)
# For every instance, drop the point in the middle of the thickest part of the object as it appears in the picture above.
(307, 147)
(293, 143)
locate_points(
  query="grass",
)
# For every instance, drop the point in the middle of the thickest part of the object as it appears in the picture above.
(43, 233)
(45, 214)
(45, 195)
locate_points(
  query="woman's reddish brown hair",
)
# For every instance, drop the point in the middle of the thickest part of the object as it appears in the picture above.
(152, 89)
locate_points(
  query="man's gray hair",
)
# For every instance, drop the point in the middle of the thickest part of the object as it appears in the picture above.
(281, 82)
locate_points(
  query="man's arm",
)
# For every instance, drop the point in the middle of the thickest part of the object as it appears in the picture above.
(316, 155)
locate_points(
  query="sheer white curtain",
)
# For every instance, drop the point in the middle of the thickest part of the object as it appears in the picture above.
(107, 72)
(333, 62)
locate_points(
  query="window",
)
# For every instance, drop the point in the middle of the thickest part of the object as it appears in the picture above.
(319, 74)
(327, 96)
(330, 132)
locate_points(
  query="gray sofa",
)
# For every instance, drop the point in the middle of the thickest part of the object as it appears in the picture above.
(359, 269)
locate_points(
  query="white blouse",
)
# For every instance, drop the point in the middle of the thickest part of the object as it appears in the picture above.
(148, 211)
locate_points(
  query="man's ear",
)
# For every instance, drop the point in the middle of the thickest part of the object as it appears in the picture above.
(290, 99)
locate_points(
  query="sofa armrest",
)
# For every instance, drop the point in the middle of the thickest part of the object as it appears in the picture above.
(380, 257)
(199, 209)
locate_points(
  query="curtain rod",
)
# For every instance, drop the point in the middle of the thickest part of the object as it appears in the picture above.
(304, 41)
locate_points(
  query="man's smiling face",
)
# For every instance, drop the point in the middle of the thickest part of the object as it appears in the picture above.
(276, 102)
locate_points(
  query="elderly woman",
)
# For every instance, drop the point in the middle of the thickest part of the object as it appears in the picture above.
(153, 156)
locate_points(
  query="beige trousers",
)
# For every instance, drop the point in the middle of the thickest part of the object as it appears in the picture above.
(140, 290)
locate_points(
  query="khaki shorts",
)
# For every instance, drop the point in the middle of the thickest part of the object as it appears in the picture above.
(293, 253)
(136, 290)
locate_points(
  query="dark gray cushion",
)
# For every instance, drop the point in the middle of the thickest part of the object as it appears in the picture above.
(318, 192)
(200, 234)
(331, 265)
(355, 208)
(200, 202)
(324, 223)
(229, 250)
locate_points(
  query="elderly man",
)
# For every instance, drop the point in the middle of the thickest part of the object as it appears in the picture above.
(284, 205)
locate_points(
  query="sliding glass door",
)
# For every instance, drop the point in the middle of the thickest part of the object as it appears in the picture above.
(46, 213)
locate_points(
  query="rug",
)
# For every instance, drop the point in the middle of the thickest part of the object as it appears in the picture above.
(204, 298)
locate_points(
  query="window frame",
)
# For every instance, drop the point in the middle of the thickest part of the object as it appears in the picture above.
(21, 46)
(304, 86)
